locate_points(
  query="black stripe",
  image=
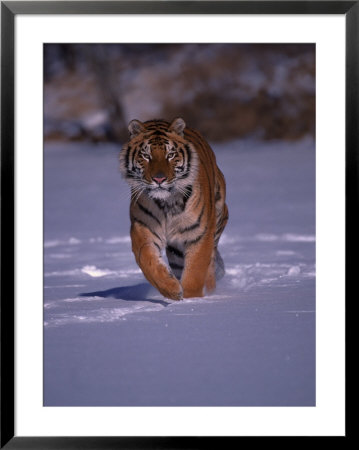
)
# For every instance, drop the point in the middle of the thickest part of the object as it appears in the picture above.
(194, 225)
(187, 163)
(218, 233)
(189, 154)
(175, 251)
(189, 157)
(159, 248)
(197, 239)
(188, 194)
(150, 124)
(159, 203)
(181, 151)
(198, 201)
(190, 228)
(219, 230)
(145, 225)
(221, 220)
(176, 266)
(184, 176)
(149, 213)
(127, 156)
(134, 155)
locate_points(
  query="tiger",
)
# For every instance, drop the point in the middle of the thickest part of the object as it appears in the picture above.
(178, 207)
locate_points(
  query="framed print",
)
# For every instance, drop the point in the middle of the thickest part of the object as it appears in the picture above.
(177, 186)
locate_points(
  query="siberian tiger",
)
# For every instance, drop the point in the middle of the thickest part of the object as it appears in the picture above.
(177, 205)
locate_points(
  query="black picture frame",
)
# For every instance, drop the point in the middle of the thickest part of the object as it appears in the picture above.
(9, 9)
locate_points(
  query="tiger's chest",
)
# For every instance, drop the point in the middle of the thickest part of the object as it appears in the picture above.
(173, 206)
(174, 215)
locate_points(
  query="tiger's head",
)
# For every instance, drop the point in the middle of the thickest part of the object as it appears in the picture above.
(158, 160)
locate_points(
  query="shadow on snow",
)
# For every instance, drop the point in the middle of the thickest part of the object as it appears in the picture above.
(137, 292)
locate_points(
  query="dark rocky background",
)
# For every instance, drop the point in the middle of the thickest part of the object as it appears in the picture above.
(226, 91)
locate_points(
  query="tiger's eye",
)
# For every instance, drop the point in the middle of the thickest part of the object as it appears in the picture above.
(170, 155)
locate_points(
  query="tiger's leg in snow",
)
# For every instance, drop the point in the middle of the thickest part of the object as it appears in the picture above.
(197, 271)
(147, 250)
(210, 282)
(219, 266)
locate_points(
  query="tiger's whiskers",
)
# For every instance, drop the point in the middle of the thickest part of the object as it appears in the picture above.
(136, 192)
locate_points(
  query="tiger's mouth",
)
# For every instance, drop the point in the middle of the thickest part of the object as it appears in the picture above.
(160, 192)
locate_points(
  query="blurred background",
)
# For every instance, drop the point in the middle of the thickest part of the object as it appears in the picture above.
(226, 91)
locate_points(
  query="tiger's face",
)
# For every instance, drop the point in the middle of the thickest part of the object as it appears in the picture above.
(158, 161)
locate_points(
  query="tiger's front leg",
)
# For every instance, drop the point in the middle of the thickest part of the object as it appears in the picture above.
(198, 264)
(148, 256)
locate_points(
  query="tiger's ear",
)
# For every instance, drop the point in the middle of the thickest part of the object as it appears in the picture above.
(135, 127)
(177, 126)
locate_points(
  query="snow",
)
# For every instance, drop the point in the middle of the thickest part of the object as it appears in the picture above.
(110, 339)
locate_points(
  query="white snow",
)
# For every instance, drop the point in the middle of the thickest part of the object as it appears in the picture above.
(284, 237)
(56, 243)
(298, 238)
(118, 240)
(294, 271)
(93, 271)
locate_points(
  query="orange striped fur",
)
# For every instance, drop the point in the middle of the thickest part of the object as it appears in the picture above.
(177, 206)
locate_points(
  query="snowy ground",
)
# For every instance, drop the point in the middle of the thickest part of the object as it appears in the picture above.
(113, 340)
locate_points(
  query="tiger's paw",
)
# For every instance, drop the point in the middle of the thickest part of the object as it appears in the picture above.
(172, 290)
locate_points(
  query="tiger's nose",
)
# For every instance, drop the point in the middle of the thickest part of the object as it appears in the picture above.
(159, 178)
